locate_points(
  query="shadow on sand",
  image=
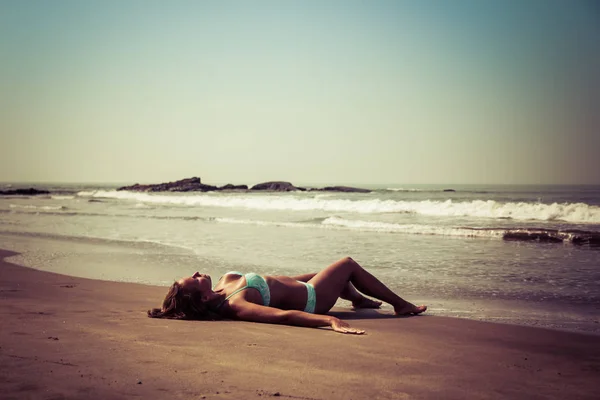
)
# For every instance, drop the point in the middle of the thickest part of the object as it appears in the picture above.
(368, 314)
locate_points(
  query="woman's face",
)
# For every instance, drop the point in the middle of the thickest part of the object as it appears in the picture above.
(196, 283)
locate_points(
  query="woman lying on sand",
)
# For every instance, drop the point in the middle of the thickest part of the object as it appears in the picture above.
(301, 300)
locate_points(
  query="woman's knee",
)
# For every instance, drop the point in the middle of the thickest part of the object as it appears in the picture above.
(346, 265)
(347, 262)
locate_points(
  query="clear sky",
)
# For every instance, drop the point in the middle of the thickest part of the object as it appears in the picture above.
(306, 91)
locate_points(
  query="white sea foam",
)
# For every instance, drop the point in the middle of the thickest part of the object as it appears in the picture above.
(404, 190)
(373, 226)
(569, 212)
(265, 223)
(59, 197)
(415, 229)
(32, 207)
(338, 223)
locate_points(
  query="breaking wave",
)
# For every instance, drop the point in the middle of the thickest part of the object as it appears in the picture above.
(406, 190)
(568, 212)
(32, 207)
(578, 237)
(518, 234)
(391, 189)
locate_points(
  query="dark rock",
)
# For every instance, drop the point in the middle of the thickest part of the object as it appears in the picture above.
(230, 186)
(23, 192)
(538, 236)
(591, 238)
(449, 190)
(276, 186)
(345, 189)
(185, 185)
(195, 185)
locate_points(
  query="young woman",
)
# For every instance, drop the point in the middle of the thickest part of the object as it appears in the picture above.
(301, 300)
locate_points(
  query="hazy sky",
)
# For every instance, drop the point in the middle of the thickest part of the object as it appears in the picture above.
(305, 91)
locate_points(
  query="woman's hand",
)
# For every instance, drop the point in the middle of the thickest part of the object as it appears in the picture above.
(342, 327)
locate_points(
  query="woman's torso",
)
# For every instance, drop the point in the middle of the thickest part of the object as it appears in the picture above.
(285, 293)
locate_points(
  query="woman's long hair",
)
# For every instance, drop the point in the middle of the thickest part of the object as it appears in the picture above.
(181, 305)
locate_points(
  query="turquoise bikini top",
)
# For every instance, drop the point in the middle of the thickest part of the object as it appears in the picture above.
(253, 281)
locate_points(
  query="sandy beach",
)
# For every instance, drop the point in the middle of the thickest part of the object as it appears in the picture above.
(67, 338)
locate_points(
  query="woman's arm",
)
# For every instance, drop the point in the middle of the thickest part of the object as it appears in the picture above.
(247, 311)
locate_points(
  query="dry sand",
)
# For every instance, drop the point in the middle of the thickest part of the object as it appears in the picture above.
(69, 338)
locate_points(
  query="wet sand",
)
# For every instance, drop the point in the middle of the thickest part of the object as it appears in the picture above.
(69, 338)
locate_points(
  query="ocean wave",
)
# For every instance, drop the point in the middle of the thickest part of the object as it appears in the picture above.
(265, 223)
(519, 234)
(32, 207)
(416, 229)
(578, 237)
(406, 190)
(62, 197)
(368, 226)
(568, 212)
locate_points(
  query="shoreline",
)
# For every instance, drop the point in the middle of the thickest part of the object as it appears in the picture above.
(144, 263)
(68, 337)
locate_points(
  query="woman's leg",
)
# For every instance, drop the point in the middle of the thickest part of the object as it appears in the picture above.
(357, 298)
(348, 293)
(332, 281)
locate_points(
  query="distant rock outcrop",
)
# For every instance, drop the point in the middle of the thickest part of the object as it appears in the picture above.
(230, 186)
(23, 192)
(276, 186)
(345, 189)
(449, 190)
(195, 185)
(185, 185)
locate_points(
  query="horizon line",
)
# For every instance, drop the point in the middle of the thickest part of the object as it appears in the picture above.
(128, 183)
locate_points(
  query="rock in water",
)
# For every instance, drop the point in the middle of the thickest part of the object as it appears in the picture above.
(345, 189)
(185, 185)
(195, 185)
(276, 186)
(23, 192)
(230, 186)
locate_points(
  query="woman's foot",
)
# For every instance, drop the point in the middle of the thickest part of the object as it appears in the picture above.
(409, 309)
(365, 302)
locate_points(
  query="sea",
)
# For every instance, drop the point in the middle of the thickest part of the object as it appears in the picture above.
(527, 255)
